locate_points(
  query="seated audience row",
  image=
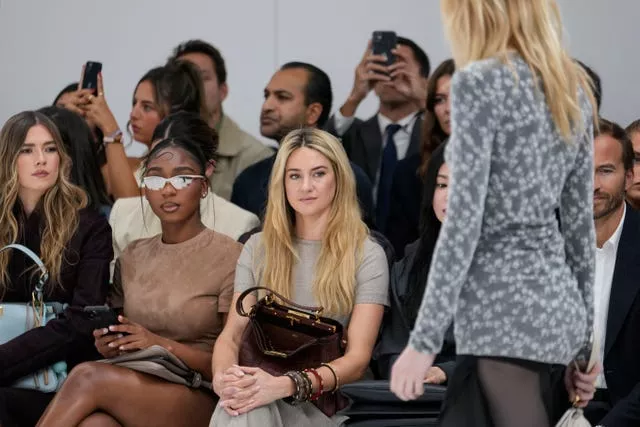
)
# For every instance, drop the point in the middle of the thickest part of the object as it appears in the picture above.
(173, 233)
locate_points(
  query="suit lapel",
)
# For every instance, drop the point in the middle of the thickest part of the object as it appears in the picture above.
(372, 146)
(416, 136)
(626, 277)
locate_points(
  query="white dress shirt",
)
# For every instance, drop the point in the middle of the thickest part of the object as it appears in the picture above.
(605, 265)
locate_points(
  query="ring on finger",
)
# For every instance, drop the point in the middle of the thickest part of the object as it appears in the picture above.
(100, 94)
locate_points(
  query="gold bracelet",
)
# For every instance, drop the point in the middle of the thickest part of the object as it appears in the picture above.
(335, 376)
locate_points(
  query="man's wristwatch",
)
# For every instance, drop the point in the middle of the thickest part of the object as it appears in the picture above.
(113, 138)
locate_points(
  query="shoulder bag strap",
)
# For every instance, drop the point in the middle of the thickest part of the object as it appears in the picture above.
(44, 274)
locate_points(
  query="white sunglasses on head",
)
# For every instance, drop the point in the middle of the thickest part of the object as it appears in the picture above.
(178, 182)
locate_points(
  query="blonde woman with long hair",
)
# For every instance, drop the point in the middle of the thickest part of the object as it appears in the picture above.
(42, 210)
(517, 284)
(314, 249)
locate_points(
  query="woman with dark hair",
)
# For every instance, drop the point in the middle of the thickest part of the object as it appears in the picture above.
(176, 290)
(43, 210)
(404, 215)
(408, 278)
(78, 142)
(132, 218)
(177, 86)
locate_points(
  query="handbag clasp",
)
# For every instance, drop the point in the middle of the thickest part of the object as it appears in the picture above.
(275, 353)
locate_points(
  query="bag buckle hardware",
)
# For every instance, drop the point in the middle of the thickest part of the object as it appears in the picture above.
(1, 311)
(292, 320)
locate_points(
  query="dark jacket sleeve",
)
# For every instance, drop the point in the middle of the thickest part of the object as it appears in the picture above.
(239, 193)
(70, 336)
(395, 334)
(364, 190)
(396, 330)
(404, 212)
(626, 412)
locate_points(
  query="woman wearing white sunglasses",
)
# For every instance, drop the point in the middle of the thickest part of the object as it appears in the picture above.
(176, 290)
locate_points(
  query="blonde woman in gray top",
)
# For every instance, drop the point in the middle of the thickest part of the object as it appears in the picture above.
(517, 285)
(315, 250)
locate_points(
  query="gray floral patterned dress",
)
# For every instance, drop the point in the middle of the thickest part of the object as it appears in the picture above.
(516, 283)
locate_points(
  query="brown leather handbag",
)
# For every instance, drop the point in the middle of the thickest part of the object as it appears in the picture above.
(290, 337)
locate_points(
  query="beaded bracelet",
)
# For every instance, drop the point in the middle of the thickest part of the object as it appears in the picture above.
(317, 394)
(299, 383)
(309, 386)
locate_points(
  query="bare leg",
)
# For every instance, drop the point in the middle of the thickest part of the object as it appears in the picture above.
(132, 398)
(99, 419)
(513, 394)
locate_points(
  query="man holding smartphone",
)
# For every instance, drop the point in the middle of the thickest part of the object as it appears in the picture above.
(398, 76)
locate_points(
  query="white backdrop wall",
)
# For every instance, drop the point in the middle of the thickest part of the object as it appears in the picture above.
(43, 44)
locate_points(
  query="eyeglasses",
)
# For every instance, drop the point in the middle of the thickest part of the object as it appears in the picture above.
(179, 182)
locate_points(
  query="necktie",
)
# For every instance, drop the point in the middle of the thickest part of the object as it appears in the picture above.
(387, 168)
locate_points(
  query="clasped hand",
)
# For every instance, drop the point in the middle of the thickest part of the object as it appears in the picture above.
(242, 389)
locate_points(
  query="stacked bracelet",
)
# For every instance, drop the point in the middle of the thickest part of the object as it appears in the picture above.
(299, 385)
(335, 376)
(317, 394)
(303, 387)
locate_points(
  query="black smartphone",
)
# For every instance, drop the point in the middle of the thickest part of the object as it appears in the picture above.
(382, 43)
(101, 316)
(90, 76)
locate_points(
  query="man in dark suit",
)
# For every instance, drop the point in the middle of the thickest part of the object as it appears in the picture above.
(617, 286)
(401, 89)
(298, 95)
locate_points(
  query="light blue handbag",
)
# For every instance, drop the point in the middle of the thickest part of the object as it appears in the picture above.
(18, 318)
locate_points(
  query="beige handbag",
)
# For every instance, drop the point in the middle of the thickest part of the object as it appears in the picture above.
(160, 362)
(574, 416)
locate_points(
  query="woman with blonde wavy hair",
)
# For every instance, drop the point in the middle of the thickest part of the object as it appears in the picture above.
(315, 250)
(516, 284)
(42, 210)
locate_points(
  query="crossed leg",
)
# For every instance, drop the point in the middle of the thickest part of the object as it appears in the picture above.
(99, 395)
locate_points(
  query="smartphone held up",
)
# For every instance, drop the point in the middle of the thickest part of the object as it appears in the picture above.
(90, 75)
(383, 43)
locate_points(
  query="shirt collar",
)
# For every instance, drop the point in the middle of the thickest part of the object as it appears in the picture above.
(614, 240)
(406, 122)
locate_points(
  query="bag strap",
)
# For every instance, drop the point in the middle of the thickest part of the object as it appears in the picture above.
(44, 274)
(240, 308)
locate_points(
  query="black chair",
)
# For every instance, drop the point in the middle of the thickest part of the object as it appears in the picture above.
(374, 405)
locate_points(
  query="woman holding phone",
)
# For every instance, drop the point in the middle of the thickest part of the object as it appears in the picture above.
(175, 289)
(176, 86)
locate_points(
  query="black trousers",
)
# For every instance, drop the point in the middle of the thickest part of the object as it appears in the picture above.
(21, 407)
(497, 392)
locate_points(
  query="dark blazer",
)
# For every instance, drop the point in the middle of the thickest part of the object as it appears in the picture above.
(396, 327)
(363, 143)
(403, 224)
(251, 187)
(84, 281)
(622, 339)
